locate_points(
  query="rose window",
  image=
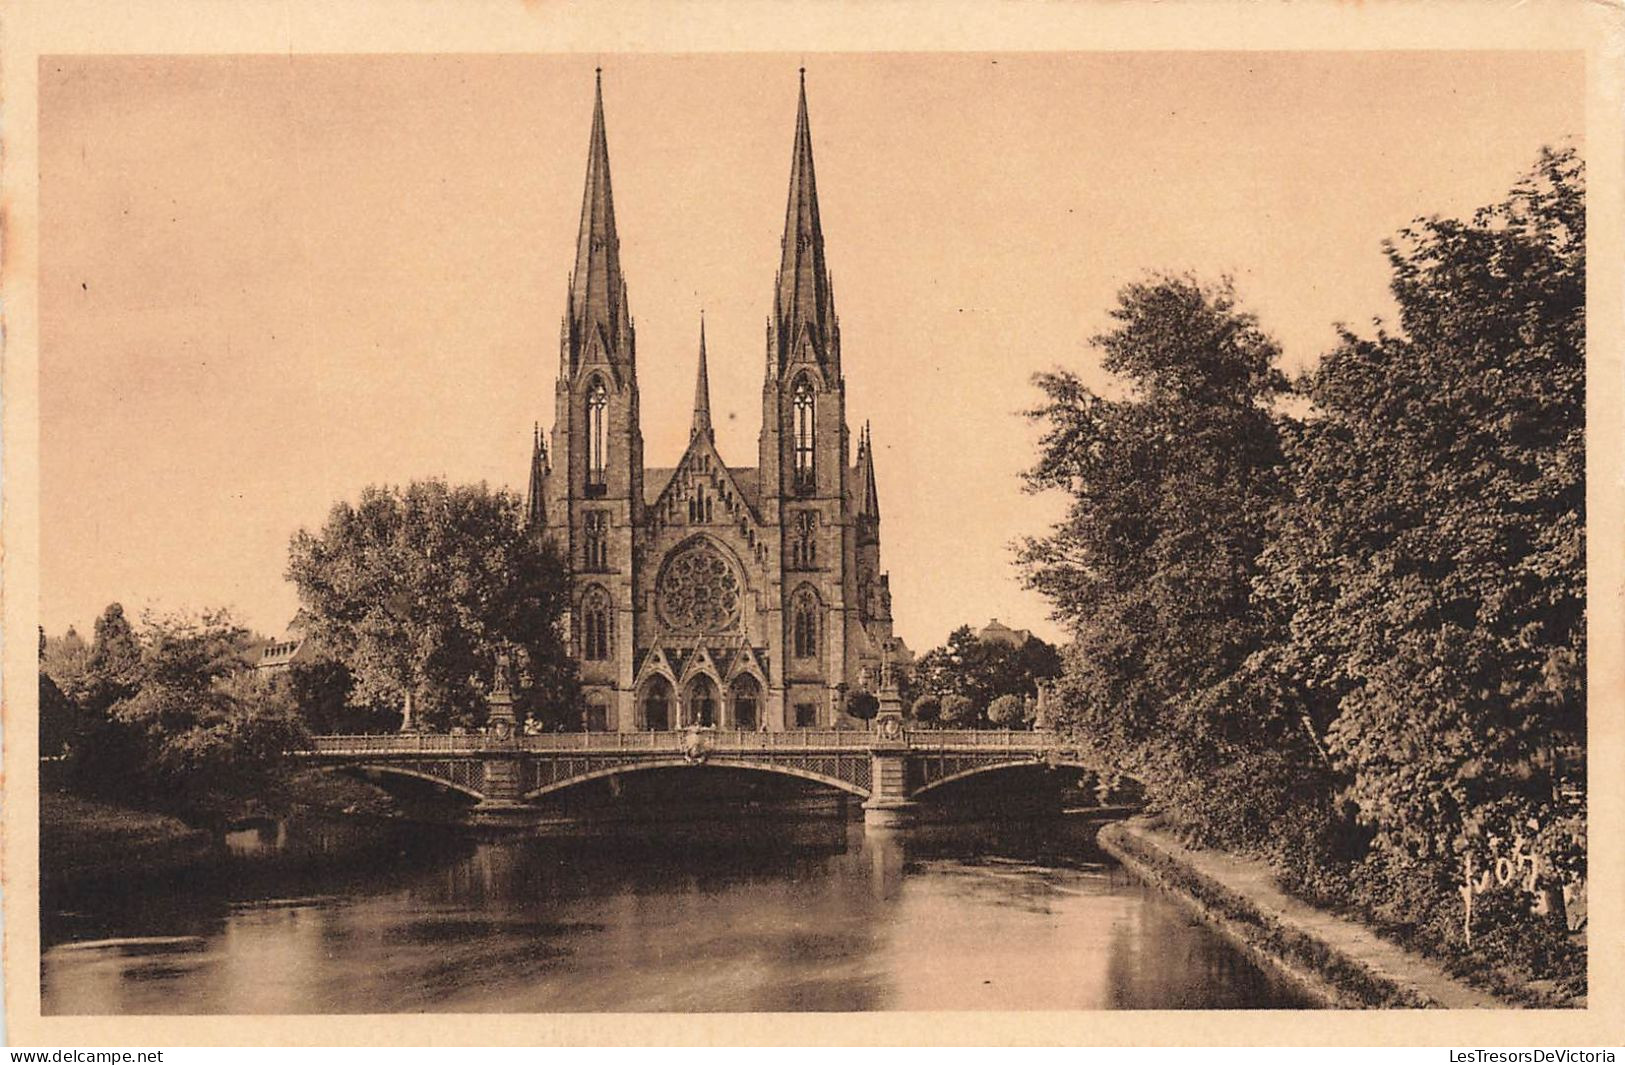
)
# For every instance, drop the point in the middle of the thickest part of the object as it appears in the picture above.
(698, 590)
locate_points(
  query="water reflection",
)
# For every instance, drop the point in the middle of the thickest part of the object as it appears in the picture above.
(804, 915)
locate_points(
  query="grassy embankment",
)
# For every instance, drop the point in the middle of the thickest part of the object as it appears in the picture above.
(84, 838)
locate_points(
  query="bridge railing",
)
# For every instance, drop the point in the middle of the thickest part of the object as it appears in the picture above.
(398, 743)
(714, 739)
(981, 739)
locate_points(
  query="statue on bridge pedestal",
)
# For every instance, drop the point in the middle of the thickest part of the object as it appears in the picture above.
(499, 703)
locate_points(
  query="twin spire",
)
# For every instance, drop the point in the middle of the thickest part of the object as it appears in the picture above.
(598, 308)
(803, 305)
(803, 323)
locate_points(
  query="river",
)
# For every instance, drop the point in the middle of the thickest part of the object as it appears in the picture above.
(806, 914)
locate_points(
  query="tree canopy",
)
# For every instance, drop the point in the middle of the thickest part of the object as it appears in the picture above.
(417, 589)
(1430, 564)
(1171, 485)
(172, 716)
(982, 670)
(1352, 637)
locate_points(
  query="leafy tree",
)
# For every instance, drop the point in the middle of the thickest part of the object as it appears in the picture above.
(862, 705)
(321, 689)
(59, 716)
(1171, 482)
(1430, 568)
(174, 716)
(927, 709)
(982, 670)
(1008, 711)
(958, 711)
(106, 756)
(66, 660)
(205, 722)
(416, 589)
(113, 667)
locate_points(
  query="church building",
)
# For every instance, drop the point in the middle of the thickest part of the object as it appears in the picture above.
(740, 597)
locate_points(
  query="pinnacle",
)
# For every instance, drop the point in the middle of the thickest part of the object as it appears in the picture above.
(702, 391)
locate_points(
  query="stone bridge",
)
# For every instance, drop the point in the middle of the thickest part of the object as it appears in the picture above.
(888, 768)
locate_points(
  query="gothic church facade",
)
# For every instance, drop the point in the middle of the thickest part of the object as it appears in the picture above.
(706, 594)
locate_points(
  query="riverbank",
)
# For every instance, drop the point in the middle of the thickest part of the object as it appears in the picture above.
(84, 839)
(1336, 961)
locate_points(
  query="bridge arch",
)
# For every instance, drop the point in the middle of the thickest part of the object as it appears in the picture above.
(387, 769)
(710, 763)
(996, 767)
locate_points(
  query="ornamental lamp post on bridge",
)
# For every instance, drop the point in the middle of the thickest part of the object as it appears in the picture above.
(888, 804)
(503, 804)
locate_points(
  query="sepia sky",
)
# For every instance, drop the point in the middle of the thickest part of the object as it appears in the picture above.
(268, 281)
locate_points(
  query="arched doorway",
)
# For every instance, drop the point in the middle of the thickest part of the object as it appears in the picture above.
(700, 707)
(746, 703)
(656, 705)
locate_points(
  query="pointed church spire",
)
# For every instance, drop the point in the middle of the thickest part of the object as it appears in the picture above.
(868, 497)
(535, 502)
(597, 296)
(702, 392)
(803, 305)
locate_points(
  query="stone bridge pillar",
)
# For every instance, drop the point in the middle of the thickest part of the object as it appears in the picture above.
(888, 804)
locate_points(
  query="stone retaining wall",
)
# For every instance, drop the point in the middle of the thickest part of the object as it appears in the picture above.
(1337, 962)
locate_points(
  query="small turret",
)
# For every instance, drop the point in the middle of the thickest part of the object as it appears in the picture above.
(536, 494)
(866, 496)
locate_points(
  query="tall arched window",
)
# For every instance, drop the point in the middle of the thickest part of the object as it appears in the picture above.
(597, 432)
(804, 422)
(595, 627)
(804, 625)
(597, 540)
(804, 541)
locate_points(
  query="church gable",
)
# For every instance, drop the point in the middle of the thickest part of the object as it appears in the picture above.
(703, 492)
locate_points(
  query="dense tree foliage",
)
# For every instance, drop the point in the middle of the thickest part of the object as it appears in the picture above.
(416, 590)
(862, 705)
(1171, 485)
(59, 716)
(957, 711)
(324, 691)
(1430, 565)
(204, 720)
(1010, 711)
(173, 716)
(981, 671)
(1353, 639)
